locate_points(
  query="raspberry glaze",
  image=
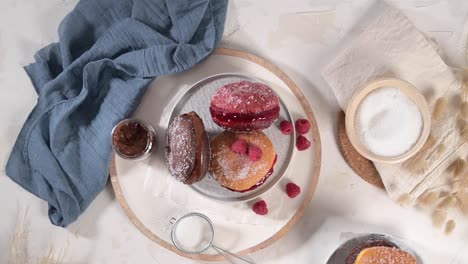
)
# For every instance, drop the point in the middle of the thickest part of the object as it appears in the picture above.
(244, 106)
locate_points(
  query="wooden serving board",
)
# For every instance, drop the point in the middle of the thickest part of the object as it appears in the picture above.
(150, 213)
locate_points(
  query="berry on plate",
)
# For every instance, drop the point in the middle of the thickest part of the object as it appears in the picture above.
(292, 190)
(260, 207)
(286, 127)
(302, 126)
(302, 143)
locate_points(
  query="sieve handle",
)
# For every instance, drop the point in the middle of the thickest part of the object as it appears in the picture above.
(226, 253)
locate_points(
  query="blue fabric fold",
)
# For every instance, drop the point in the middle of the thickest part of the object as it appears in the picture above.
(108, 52)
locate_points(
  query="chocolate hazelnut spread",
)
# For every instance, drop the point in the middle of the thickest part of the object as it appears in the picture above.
(131, 139)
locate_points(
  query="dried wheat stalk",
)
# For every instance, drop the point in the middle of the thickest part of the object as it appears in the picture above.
(441, 148)
(18, 252)
(430, 142)
(404, 199)
(463, 200)
(428, 198)
(418, 163)
(449, 226)
(440, 107)
(464, 131)
(464, 110)
(465, 89)
(52, 257)
(438, 218)
(448, 202)
(456, 184)
(457, 167)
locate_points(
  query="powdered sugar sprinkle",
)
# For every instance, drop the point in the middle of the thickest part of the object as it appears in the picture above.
(181, 149)
(245, 97)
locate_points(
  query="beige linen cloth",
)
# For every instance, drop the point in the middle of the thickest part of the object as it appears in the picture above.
(387, 44)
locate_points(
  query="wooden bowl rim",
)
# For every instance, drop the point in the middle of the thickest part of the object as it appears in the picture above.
(412, 93)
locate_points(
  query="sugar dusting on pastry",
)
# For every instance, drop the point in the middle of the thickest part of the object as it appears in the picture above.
(181, 155)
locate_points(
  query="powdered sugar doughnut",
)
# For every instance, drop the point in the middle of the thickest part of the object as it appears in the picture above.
(244, 106)
(236, 171)
(187, 148)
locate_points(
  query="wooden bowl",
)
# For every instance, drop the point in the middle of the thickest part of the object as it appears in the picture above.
(413, 94)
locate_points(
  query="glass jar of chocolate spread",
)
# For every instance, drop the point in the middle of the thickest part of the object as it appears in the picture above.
(133, 139)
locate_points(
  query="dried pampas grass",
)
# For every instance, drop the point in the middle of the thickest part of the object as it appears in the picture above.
(460, 124)
(417, 165)
(430, 142)
(440, 107)
(447, 202)
(440, 199)
(457, 167)
(456, 185)
(404, 199)
(464, 209)
(464, 110)
(438, 218)
(441, 148)
(52, 257)
(463, 200)
(465, 88)
(18, 252)
(449, 226)
(464, 132)
(428, 198)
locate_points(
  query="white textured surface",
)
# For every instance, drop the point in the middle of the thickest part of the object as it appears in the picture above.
(297, 36)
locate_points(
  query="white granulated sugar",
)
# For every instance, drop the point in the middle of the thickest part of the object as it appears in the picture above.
(193, 233)
(388, 122)
(238, 95)
(227, 165)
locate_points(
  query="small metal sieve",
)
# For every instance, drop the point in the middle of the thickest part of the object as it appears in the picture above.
(207, 243)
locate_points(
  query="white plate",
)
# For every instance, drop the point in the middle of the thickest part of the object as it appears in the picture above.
(150, 196)
(197, 98)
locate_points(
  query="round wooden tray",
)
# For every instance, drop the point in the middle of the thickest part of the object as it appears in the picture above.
(308, 190)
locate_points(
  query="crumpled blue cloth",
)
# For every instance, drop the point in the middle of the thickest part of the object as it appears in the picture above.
(108, 52)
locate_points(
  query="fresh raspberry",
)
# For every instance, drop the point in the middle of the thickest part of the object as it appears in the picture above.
(255, 153)
(302, 126)
(260, 207)
(302, 143)
(292, 190)
(286, 127)
(239, 146)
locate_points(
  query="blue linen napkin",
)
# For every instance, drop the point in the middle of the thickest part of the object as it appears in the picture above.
(108, 52)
